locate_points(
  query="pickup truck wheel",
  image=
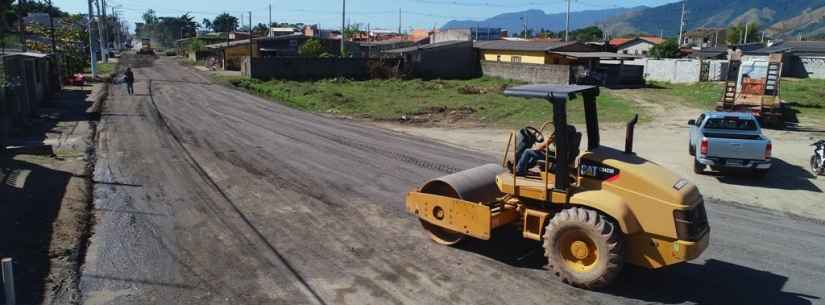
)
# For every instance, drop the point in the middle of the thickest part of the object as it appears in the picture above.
(698, 168)
(815, 161)
(691, 150)
(583, 247)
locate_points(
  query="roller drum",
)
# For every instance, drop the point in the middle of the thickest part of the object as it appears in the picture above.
(477, 184)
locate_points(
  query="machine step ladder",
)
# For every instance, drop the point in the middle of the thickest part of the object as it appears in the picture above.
(772, 81)
(729, 95)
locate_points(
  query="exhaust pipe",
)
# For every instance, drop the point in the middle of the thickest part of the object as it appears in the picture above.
(628, 140)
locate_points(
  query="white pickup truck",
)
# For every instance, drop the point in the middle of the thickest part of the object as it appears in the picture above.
(724, 140)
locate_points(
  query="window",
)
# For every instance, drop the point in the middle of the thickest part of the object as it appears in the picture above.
(625, 52)
(498, 58)
(731, 123)
(644, 52)
(515, 59)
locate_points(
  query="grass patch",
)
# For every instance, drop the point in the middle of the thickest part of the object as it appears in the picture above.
(807, 96)
(700, 95)
(102, 68)
(479, 100)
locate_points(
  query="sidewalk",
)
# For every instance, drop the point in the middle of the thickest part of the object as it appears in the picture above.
(46, 195)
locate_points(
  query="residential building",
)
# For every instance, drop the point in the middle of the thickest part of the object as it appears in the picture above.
(803, 59)
(530, 52)
(471, 34)
(281, 31)
(443, 60)
(639, 46)
(315, 31)
(706, 38)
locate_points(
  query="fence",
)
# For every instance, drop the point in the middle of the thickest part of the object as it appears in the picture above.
(301, 68)
(28, 79)
(531, 73)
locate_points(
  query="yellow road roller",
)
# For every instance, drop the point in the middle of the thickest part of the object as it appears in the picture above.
(593, 210)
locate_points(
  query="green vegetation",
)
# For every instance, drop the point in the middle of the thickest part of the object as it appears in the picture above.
(703, 95)
(311, 48)
(805, 96)
(477, 100)
(667, 49)
(801, 95)
(103, 69)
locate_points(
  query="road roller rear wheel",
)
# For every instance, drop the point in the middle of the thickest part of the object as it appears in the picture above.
(583, 248)
(441, 235)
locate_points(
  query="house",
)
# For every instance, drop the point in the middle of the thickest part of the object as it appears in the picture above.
(315, 31)
(635, 46)
(530, 52)
(706, 38)
(376, 48)
(289, 45)
(803, 59)
(281, 31)
(555, 62)
(471, 34)
(232, 53)
(443, 60)
(709, 53)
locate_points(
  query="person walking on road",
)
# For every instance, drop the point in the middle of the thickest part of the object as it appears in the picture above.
(129, 77)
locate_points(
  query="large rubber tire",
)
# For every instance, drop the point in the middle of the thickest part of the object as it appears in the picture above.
(594, 268)
(698, 168)
(691, 150)
(814, 163)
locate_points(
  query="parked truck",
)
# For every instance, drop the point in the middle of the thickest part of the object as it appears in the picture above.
(753, 86)
(729, 140)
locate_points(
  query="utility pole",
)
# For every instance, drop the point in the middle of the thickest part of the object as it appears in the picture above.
(105, 35)
(101, 46)
(524, 26)
(250, 44)
(399, 21)
(567, 23)
(682, 23)
(763, 36)
(343, 25)
(21, 26)
(51, 28)
(745, 36)
(92, 58)
(269, 25)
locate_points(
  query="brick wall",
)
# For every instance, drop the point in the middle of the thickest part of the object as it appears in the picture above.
(300, 68)
(531, 73)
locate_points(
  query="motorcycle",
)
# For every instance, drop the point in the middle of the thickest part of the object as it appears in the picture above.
(818, 159)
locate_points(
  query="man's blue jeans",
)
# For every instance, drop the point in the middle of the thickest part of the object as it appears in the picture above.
(528, 159)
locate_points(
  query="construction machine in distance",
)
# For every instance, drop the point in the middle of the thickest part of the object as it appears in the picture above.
(146, 47)
(593, 210)
(754, 86)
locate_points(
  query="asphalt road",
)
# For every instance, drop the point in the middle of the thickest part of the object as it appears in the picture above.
(206, 195)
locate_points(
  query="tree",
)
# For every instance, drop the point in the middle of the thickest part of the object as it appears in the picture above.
(591, 33)
(667, 49)
(207, 24)
(352, 30)
(150, 17)
(736, 33)
(195, 45)
(69, 40)
(225, 23)
(311, 48)
(261, 29)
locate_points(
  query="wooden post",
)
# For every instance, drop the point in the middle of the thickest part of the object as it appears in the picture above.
(8, 281)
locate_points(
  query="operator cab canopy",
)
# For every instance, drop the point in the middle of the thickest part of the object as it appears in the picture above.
(558, 96)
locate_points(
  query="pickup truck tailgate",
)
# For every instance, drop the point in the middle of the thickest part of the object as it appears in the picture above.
(736, 147)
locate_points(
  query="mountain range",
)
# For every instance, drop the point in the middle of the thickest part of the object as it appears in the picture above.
(538, 19)
(776, 17)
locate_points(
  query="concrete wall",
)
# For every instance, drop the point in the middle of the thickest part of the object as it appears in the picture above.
(532, 73)
(806, 66)
(538, 57)
(673, 70)
(299, 68)
(28, 83)
(454, 61)
(452, 35)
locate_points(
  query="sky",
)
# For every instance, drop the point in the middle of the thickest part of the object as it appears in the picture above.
(375, 13)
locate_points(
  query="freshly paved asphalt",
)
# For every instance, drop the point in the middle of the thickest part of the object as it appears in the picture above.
(206, 195)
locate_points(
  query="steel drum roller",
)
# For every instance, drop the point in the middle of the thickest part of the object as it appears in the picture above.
(477, 184)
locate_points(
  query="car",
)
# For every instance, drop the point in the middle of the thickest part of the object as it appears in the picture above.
(729, 140)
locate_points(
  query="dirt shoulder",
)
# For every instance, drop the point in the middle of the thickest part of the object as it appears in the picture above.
(789, 188)
(46, 196)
